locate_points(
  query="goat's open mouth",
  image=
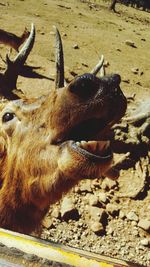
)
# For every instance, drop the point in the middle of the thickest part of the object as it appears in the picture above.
(87, 130)
(84, 142)
(97, 151)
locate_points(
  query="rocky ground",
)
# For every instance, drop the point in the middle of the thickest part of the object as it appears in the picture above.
(103, 216)
(107, 216)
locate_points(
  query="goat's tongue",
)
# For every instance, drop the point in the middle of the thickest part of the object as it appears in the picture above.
(98, 149)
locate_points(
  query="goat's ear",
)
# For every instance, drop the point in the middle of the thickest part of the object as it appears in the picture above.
(2, 146)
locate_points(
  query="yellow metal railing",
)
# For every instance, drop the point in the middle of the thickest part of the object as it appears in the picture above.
(57, 252)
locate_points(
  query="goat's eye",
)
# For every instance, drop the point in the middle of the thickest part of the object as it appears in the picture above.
(8, 117)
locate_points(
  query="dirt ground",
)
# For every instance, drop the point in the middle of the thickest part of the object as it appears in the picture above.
(111, 218)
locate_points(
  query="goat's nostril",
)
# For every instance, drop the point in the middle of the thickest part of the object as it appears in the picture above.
(84, 85)
(111, 80)
(116, 79)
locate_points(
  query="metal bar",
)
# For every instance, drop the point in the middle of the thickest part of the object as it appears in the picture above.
(4, 263)
(57, 252)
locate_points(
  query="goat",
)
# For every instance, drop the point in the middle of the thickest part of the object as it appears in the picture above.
(48, 144)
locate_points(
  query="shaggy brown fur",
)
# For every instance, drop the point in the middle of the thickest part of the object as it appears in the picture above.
(38, 163)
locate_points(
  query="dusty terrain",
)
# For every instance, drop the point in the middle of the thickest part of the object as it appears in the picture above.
(107, 217)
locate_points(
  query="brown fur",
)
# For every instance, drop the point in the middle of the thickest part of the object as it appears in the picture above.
(36, 168)
(13, 40)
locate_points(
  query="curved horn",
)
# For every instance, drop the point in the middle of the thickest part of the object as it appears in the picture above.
(98, 67)
(8, 79)
(59, 82)
(26, 49)
(102, 71)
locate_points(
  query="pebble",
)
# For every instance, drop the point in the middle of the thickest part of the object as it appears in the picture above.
(86, 186)
(55, 213)
(110, 231)
(75, 46)
(132, 216)
(102, 197)
(112, 209)
(145, 242)
(135, 233)
(68, 209)
(97, 214)
(148, 256)
(126, 80)
(134, 223)
(30, 257)
(97, 227)
(121, 214)
(93, 200)
(144, 224)
(130, 43)
(135, 70)
(52, 33)
(47, 222)
(108, 184)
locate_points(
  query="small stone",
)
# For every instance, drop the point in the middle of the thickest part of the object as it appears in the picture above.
(97, 214)
(76, 189)
(139, 83)
(135, 233)
(130, 43)
(108, 184)
(134, 223)
(73, 73)
(132, 216)
(126, 80)
(52, 33)
(121, 214)
(30, 257)
(97, 227)
(110, 231)
(112, 209)
(145, 242)
(95, 183)
(55, 213)
(144, 224)
(86, 186)
(64, 34)
(135, 70)
(93, 200)
(47, 222)
(102, 197)
(68, 210)
(148, 256)
(75, 46)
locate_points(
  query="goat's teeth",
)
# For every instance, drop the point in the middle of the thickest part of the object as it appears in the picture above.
(83, 143)
(78, 143)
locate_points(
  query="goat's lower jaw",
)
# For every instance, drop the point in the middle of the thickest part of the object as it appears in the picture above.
(96, 151)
